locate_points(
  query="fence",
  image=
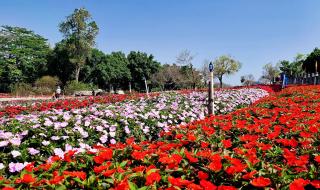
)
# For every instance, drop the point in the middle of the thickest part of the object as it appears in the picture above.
(310, 79)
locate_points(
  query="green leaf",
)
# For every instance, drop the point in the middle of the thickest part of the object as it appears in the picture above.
(61, 187)
(132, 186)
(78, 180)
(109, 180)
(123, 164)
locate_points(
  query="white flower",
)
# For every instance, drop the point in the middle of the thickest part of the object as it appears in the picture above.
(112, 134)
(45, 143)
(15, 153)
(1, 166)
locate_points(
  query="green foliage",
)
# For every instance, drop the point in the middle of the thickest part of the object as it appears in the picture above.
(73, 86)
(79, 32)
(23, 56)
(310, 62)
(21, 89)
(292, 68)
(141, 66)
(46, 85)
(225, 65)
(59, 64)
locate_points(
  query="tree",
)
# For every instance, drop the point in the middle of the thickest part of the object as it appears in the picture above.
(120, 74)
(185, 59)
(79, 32)
(247, 80)
(225, 65)
(59, 63)
(286, 67)
(92, 72)
(297, 64)
(141, 66)
(270, 72)
(310, 62)
(169, 77)
(23, 56)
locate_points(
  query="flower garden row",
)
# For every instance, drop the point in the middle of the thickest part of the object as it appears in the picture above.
(25, 107)
(274, 144)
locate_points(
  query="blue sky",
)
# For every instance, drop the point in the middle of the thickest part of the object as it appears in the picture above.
(255, 32)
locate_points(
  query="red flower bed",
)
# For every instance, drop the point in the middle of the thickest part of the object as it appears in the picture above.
(273, 144)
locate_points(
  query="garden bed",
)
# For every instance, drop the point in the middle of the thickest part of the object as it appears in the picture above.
(273, 144)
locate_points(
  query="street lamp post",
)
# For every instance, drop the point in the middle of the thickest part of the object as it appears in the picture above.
(211, 90)
(146, 85)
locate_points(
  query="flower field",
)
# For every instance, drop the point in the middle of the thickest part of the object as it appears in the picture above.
(273, 144)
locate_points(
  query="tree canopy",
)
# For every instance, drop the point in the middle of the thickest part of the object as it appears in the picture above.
(225, 65)
(80, 33)
(23, 56)
(141, 66)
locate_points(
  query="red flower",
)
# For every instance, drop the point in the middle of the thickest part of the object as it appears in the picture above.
(216, 164)
(315, 183)
(108, 173)
(227, 143)
(249, 175)
(193, 186)
(178, 182)
(202, 175)
(190, 157)
(207, 185)
(27, 178)
(138, 155)
(261, 182)
(29, 167)
(204, 144)
(317, 159)
(298, 184)
(99, 169)
(153, 177)
(80, 175)
(8, 188)
(104, 155)
(56, 180)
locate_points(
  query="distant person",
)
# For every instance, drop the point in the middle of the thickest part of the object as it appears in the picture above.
(58, 92)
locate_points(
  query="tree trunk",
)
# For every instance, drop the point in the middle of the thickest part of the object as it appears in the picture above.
(220, 80)
(77, 73)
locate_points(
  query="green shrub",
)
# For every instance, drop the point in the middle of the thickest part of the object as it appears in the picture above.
(73, 86)
(46, 85)
(21, 89)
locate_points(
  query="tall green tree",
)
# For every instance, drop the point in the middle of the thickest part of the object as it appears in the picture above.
(23, 56)
(59, 63)
(225, 65)
(141, 66)
(80, 32)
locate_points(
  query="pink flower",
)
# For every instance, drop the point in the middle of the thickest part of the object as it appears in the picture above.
(33, 151)
(16, 167)
(4, 143)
